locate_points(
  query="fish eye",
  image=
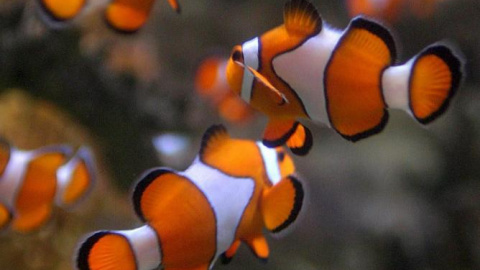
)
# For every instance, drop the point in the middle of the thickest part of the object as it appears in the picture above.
(281, 156)
(237, 54)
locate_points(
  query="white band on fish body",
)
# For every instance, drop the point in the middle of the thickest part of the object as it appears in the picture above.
(269, 156)
(395, 86)
(144, 242)
(250, 57)
(228, 196)
(12, 178)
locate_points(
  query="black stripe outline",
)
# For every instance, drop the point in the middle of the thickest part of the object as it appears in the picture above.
(454, 63)
(307, 143)
(282, 140)
(297, 205)
(380, 31)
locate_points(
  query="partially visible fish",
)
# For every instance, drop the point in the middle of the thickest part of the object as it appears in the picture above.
(211, 83)
(30, 182)
(232, 190)
(126, 16)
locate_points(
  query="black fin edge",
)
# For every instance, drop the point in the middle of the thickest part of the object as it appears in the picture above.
(224, 259)
(370, 132)
(454, 63)
(86, 246)
(297, 205)
(304, 4)
(209, 134)
(282, 140)
(307, 144)
(145, 180)
(378, 30)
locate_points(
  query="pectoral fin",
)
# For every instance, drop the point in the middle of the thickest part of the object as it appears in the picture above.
(259, 246)
(282, 203)
(275, 94)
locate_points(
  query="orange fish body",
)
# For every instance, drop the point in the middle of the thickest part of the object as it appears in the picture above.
(344, 79)
(205, 212)
(29, 184)
(211, 83)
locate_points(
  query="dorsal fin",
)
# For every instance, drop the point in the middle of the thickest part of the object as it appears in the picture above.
(301, 18)
(213, 137)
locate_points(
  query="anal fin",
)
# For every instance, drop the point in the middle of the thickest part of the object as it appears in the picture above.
(259, 246)
(282, 203)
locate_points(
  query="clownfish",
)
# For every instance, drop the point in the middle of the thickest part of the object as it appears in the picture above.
(195, 216)
(344, 79)
(391, 10)
(211, 83)
(31, 181)
(126, 16)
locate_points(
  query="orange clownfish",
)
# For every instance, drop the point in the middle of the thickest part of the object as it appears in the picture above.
(211, 82)
(31, 181)
(345, 79)
(126, 16)
(195, 216)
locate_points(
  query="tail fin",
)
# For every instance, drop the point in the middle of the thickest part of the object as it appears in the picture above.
(424, 85)
(75, 179)
(136, 249)
(436, 75)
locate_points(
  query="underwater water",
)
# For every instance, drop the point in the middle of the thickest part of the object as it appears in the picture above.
(407, 198)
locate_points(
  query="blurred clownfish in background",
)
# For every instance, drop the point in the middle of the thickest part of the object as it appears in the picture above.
(391, 10)
(193, 217)
(211, 83)
(126, 16)
(31, 181)
(345, 79)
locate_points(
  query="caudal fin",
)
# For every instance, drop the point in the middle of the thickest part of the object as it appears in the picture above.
(424, 85)
(136, 249)
(435, 77)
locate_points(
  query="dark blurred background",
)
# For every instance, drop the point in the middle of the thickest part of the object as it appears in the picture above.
(408, 198)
